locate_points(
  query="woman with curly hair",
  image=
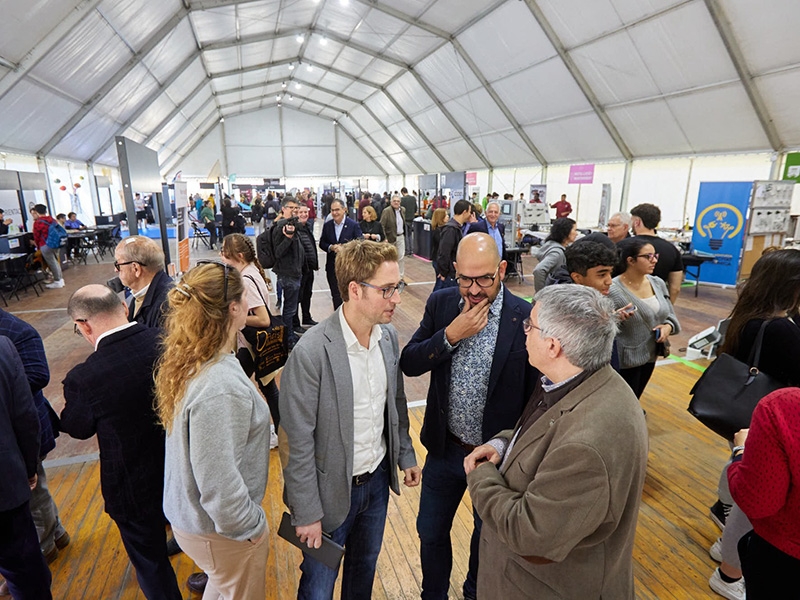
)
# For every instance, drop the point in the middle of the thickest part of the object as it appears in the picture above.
(217, 456)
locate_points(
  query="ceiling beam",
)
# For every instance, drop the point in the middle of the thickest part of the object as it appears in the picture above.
(573, 69)
(184, 103)
(419, 131)
(207, 126)
(391, 136)
(736, 55)
(188, 123)
(154, 40)
(147, 102)
(343, 129)
(212, 4)
(401, 16)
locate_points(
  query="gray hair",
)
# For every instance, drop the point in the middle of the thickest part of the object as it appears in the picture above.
(497, 204)
(143, 250)
(624, 217)
(582, 319)
(340, 202)
(92, 300)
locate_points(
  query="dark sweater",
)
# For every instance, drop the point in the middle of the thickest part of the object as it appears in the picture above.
(373, 227)
(309, 247)
(449, 239)
(289, 253)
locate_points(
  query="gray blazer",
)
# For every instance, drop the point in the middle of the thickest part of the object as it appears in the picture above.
(316, 406)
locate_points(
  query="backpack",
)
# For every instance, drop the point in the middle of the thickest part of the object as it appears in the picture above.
(55, 234)
(239, 223)
(265, 249)
(271, 212)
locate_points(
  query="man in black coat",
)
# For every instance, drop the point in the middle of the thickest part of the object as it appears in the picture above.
(339, 230)
(21, 560)
(310, 266)
(111, 395)
(471, 340)
(289, 259)
(449, 239)
(139, 261)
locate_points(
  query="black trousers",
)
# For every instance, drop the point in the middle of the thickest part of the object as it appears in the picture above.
(306, 289)
(637, 377)
(21, 560)
(146, 544)
(769, 572)
(212, 232)
(330, 273)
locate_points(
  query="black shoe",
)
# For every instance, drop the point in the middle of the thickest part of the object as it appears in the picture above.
(309, 323)
(62, 541)
(172, 547)
(278, 305)
(719, 513)
(197, 582)
(299, 330)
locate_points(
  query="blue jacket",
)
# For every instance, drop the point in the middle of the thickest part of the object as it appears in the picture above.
(482, 226)
(351, 231)
(19, 430)
(511, 380)
(28, 344)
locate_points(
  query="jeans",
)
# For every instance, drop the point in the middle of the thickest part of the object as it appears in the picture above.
(362, 535)
(45, 512)
(291, 295)
(52, 256)
(146, 545)
(443, 486)
(21, 561)
(409, 238)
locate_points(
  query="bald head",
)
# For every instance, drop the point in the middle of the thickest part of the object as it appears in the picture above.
(96, 309)
(478, 245)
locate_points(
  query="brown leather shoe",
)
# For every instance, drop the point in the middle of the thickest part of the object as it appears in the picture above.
(62, 541)
(197, 582)
(52, 555)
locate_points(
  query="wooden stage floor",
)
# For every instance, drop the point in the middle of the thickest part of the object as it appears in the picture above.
(674, 530)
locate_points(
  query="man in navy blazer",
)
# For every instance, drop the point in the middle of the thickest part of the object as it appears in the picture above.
(140, 263)
(21, 560)
(111, 395)
(492, 226)
(472, 341)
(339, 230)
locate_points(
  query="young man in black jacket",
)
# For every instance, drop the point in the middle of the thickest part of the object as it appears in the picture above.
(289, 261)
(448, 244)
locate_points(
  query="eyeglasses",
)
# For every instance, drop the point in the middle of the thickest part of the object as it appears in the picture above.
(484, 281)
(225, 280)
(651, 256)
(117, 265)
(527, 325)
(388, 291)
(75, 329)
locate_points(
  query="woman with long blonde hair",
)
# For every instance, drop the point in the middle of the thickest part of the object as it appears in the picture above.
(217, 456)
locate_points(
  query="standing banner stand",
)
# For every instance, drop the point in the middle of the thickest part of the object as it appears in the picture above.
(605, 206)
(182, 229)
(454, 186)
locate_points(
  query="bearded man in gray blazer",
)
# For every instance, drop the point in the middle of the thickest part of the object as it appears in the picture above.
(343, 409)
(559, 494)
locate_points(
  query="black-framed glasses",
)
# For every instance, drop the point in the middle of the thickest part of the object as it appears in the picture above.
(483, 281)
(117, 265)
(649, 256)
(225, 276)
(388, 291)
(75, 329)
(527, 326)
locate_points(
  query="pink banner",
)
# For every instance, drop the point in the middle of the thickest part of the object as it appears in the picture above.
(581, 173)
(472, 178)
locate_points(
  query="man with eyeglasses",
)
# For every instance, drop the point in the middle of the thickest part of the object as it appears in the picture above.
(139, 262)
(343, 408)
(111, 395)
(471, 341)
(559, 492)
(289, 261)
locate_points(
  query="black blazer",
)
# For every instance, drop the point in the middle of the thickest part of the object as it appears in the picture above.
(154, 307)
(111, 395)
(511, 380)
(351, 231)
(19, 430)
(482, 226)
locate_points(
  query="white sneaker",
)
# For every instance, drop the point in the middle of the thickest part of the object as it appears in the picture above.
(273, 438)
(716, 550)
(55, 285)
(731, 591)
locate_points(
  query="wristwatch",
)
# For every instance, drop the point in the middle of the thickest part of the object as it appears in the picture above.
(736, 450)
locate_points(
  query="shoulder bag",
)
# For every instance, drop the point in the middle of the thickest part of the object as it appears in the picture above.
(270, 344)
(724, 397)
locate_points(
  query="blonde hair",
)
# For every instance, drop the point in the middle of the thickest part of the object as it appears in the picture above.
(236, 243)
(197, 328)
(358, 260)
(371, 211)
(438, 218)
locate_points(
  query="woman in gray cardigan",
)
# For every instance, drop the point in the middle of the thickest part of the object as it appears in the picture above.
(654, 318)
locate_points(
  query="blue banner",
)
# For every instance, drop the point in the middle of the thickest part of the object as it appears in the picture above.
(719, 228)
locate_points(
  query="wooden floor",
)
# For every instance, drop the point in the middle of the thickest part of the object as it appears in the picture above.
(674, 531)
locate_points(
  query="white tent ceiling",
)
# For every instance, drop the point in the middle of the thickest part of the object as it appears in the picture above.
(418, 85)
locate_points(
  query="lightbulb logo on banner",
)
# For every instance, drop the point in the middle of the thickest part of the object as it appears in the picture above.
(719, 222)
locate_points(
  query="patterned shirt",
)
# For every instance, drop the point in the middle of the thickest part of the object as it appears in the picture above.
(469, 379)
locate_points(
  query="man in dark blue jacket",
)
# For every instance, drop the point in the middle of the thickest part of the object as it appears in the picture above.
(472, 341)
(21, 560)
(140, 264)
(111, 395)
(339, 230)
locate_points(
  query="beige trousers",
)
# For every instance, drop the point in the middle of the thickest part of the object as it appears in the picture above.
(236, 570)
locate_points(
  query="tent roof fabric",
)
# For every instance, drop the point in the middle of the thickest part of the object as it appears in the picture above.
(418, 85)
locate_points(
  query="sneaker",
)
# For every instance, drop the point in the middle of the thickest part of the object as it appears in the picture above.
(273, 438)
(716, 550)
(55, 285)
(299, 331)
(731, 591)
(719, 513)
(309, 323)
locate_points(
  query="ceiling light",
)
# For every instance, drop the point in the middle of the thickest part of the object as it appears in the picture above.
(291, 97)
(222, 119)
(279, 104)
(300, 38)
(344, 2)
(309, 68)
(323, 41)
(297, 86)
(291, 66)
(334, 122)
(278, 97)
(283, 85)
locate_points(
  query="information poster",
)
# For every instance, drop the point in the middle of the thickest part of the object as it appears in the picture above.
(792, 168)
(538, 194)
(719, 228)
(605, 205)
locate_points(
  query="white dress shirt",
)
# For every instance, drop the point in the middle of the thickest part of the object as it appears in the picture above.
(368, 372)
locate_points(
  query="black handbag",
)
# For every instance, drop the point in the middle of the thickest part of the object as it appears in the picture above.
(270, 344)
(724, 397)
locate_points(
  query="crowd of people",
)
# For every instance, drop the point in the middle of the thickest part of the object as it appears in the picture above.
(531, 406)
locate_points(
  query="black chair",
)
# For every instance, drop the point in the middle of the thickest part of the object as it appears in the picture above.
(200, 234)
